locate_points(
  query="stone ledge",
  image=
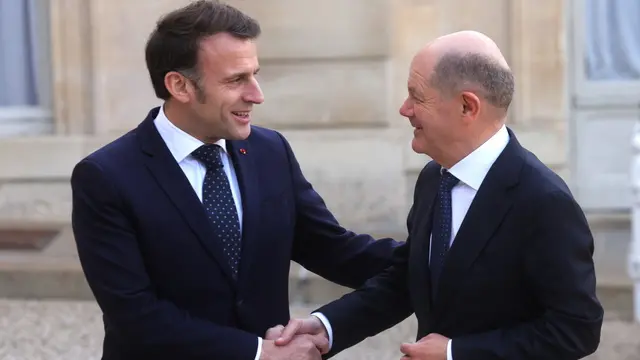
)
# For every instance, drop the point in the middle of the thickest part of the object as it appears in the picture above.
(63, 152)
(43, 282)
(45, 157)
(26, 239)
(28, 235)
(63, 279)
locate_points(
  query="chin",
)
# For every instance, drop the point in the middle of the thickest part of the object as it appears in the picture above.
(242, 133)
(417, 146)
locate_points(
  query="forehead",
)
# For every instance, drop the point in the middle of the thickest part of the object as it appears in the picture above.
(225, 55)
(419, 73)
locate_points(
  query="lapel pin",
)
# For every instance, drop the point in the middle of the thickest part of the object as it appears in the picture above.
(243, 151)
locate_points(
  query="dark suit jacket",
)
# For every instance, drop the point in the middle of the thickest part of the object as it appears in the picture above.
(518, 282)
(149, 254)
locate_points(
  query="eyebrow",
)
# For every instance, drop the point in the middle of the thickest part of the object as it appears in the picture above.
(242, 74)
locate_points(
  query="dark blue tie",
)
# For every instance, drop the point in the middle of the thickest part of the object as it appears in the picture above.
(219, 204)
(441, 228)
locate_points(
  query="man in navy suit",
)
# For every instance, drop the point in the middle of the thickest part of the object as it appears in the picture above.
(186, 226)
(498, 264)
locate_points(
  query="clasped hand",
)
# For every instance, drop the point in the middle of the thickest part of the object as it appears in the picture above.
(299, 339)
(311, 332)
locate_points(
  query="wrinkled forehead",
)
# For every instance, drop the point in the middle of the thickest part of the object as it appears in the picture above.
(420, 70)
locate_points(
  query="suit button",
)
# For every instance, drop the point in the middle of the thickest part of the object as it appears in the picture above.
(239, 303)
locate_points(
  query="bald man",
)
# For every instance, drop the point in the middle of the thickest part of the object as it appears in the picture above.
(498, 263)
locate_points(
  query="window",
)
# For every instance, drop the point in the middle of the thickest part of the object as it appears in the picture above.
(606, 52)
(612, 46)
(605, 107)
(25, 85)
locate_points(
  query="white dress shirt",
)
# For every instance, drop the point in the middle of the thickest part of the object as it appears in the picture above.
(471, 171)
(181, 145)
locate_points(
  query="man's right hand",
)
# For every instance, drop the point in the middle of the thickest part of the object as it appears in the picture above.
(311, 327)
(300, 348)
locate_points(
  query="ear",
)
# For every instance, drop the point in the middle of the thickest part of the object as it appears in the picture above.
(470, 105)
(178, 86)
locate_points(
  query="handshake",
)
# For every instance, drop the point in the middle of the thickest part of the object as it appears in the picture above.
(304, 339)
(301, 339)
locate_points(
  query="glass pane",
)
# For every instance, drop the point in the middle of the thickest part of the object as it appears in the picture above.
(612, 40)
(18, 46)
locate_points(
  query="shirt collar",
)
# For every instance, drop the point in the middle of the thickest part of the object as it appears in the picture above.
(474, 167)
(180, 143)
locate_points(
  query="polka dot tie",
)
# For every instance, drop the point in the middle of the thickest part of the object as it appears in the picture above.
(441, 229)
(219, 204)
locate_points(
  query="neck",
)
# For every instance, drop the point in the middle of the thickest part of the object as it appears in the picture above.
(458, 150)
(184, 121)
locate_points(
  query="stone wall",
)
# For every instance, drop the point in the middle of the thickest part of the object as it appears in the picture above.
(334, 75)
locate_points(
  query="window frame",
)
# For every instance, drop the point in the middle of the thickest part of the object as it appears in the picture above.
(38, 119)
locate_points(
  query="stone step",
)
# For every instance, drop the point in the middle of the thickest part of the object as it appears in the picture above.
(63, 279)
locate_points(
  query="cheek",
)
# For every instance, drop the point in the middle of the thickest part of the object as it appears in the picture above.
(424, 116)
(223, 96)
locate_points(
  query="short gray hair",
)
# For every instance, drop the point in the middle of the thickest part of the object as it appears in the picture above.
(456, 71)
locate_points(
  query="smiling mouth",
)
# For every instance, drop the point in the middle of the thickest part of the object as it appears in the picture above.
(241, 114)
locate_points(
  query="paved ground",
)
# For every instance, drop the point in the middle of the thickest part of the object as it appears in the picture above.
(56, 330)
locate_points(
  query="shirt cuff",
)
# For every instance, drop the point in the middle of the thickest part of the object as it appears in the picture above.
(259, 349)
(449, 356)
(327, 326)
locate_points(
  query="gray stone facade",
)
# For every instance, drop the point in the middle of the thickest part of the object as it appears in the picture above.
(333, 76)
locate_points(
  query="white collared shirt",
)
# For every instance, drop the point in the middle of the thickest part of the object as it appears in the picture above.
(471, 171)
(181, 145)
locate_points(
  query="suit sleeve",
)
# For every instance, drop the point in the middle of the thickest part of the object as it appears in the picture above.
(324, 247)
(559, 268)
(115, 271)
(381, 303)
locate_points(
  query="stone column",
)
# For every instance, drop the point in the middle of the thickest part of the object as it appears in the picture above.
(634, 248)
(71, 65)
(537, 57)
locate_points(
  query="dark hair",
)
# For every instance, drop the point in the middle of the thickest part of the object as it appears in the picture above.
(457, 71)
(174, 43)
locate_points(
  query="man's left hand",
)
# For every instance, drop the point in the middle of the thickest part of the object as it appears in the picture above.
(430, 347)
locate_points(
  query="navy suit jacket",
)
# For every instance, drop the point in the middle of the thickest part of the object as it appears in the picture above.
(517, 284)
(149, 255)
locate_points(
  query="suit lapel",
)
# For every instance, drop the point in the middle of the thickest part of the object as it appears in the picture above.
(488, 209)
(172, 180)
(420, 278)
(243, 158)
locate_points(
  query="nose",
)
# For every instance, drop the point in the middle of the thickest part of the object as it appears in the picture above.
(254, 94)
(406, 109)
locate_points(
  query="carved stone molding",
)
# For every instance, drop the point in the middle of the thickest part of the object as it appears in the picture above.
(28, 235)
(71, 66)
(26, 239)
(34, 202)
